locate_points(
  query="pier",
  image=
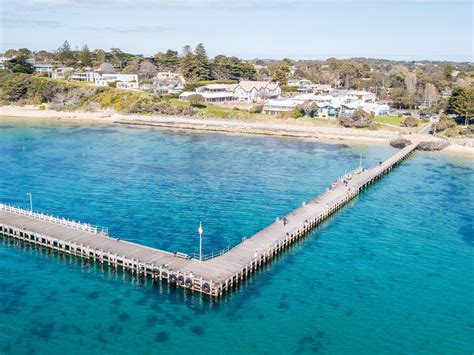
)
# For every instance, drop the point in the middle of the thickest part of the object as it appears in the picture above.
(214, 276)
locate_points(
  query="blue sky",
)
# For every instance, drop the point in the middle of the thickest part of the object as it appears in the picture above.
(403, 29)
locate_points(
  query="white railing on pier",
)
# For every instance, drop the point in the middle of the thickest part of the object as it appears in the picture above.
(56, 220)
(213, 255)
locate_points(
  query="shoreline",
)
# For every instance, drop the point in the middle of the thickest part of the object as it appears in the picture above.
(280, 129)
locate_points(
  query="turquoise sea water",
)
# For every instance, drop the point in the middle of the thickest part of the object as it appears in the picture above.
(391, 273)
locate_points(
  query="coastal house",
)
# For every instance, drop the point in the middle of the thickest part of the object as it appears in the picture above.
(377, 109)
(348, 109)
(212, 93)
(43, 68)
(169, 87)
(320, 88)
(359, 95)
(168, 83)
(256, 91)
(245, 91)
(329, 110)
(123, 81)
(275, 107)
(87, 76)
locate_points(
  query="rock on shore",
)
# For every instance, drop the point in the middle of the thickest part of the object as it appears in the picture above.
(400, 143)
(433, 145)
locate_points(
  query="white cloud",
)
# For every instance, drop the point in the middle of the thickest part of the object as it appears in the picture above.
(124, 29)
(17, 22)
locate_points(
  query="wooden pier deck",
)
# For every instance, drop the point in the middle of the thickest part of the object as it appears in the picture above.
(215, 276)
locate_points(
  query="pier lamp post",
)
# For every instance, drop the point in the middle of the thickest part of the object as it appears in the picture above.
(200, 230)
(31, 201)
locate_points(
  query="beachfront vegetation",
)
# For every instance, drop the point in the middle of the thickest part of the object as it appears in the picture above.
(461, 102)
(359, 119)
(22, 89)
(410, 121)
(19, 64)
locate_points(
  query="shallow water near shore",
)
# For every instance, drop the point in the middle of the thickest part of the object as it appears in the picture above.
(391, 273)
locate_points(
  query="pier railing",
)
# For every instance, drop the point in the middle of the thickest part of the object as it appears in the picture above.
(57, 220)
(212, 255)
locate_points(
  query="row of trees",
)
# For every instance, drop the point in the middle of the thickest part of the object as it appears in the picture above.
(194, 65)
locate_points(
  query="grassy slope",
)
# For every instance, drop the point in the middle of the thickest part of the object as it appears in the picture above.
(390, 119)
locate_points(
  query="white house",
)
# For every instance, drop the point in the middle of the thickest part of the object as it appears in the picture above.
(87, 76)
(256, 91)
(246, 90)
(212, 93)
(274, 107)
(364, 96)
(168, 83)
(377, 109)
(124, 81)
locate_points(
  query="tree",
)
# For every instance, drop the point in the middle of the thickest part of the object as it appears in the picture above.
(10, 53)
(24, 52)
(196, 100)
(348, 70)
(410, 83)
(188, 64)
(410, 121)
(444, 123)
(119, 58)
(85, 57)
(463, 82)
(100, 56)
(448, 72)
(232, 68)
(195, 66)
(168, 61)
(106, 68)
(461, 102)
(430, 94)
(309, 109)
(282, 74)
(19, 64)
(147, 69)
(203, 69)
(65, 54)
(359, 119)
(44, 56)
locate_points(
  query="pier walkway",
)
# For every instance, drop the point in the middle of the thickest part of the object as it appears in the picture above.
(214, 276)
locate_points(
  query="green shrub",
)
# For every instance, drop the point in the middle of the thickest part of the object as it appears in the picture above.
(359, 119)
(256, 108)
(410, 121)
(288, 89)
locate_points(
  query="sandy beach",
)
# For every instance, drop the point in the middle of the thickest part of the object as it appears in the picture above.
(232, 126)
